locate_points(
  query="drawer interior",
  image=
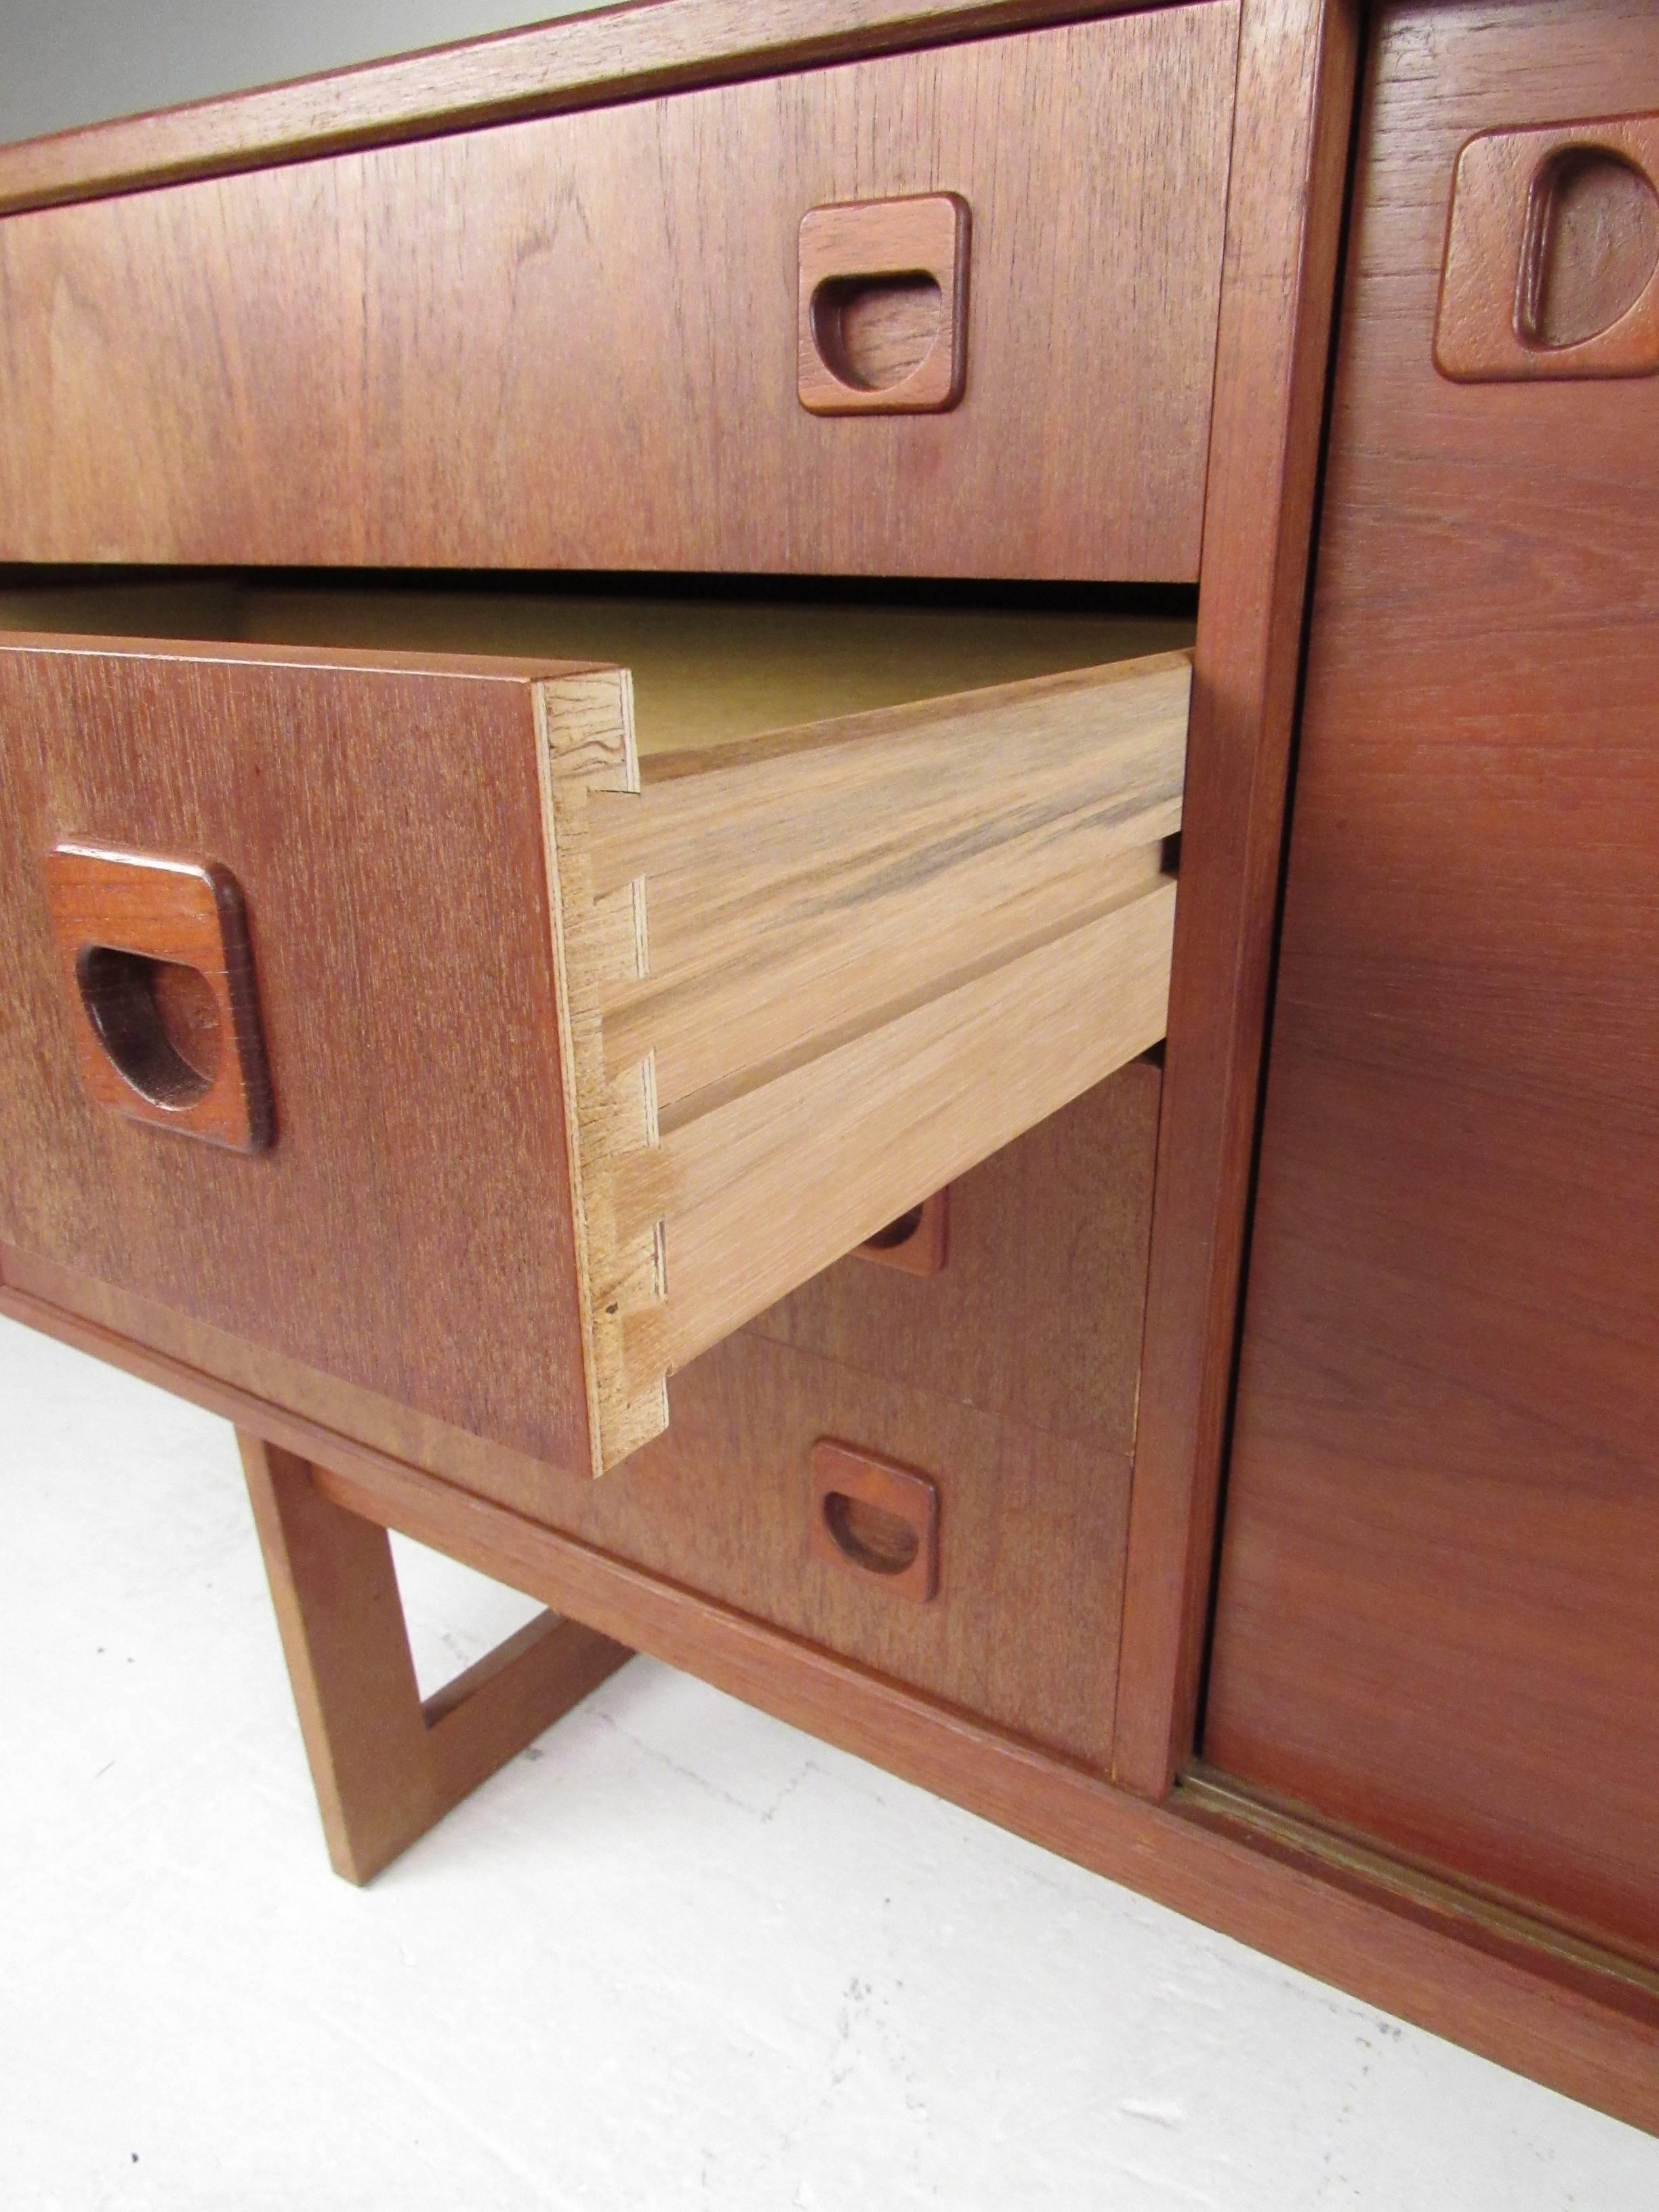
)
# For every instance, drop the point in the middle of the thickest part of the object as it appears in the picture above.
(709, 667)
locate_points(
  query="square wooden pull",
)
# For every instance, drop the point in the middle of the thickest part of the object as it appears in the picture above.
(876, 1518)
(1551, 266)
(882, 305)
(159, 971)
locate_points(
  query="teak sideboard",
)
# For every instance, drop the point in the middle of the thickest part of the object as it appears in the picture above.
(833, 824)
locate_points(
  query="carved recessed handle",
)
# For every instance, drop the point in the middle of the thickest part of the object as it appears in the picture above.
(158, 968)
(877, 1518)
(1552, 263)
(916, 1242)
(882, 305)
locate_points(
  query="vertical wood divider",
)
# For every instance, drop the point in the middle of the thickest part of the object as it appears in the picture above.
(1291, 134)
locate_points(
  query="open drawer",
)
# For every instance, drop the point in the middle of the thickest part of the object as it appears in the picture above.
(494, 1034)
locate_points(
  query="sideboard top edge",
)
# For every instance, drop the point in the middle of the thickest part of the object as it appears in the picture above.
(632, 51)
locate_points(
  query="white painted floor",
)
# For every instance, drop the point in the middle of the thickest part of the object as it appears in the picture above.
(676, 1955)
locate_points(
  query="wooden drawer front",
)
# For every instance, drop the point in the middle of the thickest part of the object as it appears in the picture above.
(574, 1066)
(408, 1229)
(572, 342)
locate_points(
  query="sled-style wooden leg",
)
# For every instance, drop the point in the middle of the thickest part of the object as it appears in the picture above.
(387, 1767)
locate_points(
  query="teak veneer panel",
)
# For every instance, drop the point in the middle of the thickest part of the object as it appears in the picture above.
(590, 60)
(809, 978)
(1025, 1432)
(571, 342)
(1036, 1314)
(1438, 1619)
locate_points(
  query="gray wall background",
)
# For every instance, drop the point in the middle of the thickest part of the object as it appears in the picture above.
(70, 61)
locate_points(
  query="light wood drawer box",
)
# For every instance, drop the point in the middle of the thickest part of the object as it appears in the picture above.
(575, 1061)
(571, 342)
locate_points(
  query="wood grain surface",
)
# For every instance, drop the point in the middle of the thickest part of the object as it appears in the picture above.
(1297, 65)
(1036, 1314)
(571, 342)
(410, 1232)
(611, 54)
(800, 981)
(387, 1767)
(807, 979)
(1026, 1430)
(1438, 1620)
(796, 884)
(1593, 2034)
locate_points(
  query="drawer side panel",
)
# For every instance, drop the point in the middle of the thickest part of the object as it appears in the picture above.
(1438, 1612)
